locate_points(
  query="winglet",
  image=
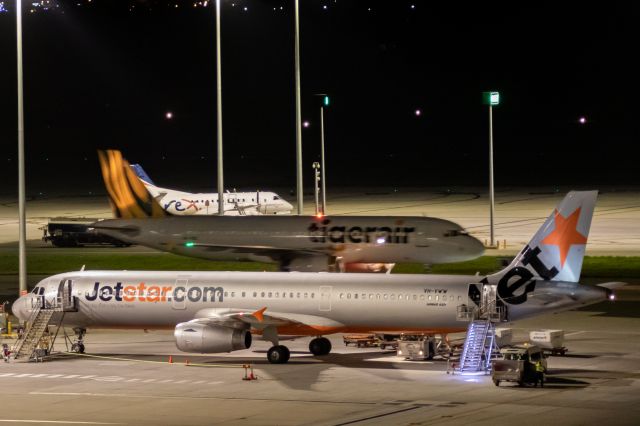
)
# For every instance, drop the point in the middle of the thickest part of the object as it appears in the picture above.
(259, 314)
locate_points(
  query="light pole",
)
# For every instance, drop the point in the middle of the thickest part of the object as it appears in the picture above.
(299, 188)
(491, 99)
(325, 103)
(219, 113)
(316, 178)
(22, 219)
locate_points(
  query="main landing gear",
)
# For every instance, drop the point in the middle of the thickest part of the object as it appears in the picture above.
(78, 345)
(320, 346)
(279, 354)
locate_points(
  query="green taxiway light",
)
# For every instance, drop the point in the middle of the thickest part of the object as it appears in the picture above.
(189, 244)
(325, 101)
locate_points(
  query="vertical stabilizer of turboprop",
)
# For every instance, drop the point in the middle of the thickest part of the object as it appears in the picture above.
(144, 177)
(556, 251)
(128, 195)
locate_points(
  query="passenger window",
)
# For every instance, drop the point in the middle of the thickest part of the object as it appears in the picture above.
(262, 294)
(355, 295)
(393, 297)
(298, 295)
(313, 295)
(437, 298)
(243, 294)
(277, 294)
(415, 297)
(378, 296)
(305, 295)
(429, 297)
(226, 294)
(451, 298)
(459, 298)
(422, 297)
(291, 295)
(348, 295)
(385, 296)
(270, 295)
(284, 294)
(255, 294)
(371, 296)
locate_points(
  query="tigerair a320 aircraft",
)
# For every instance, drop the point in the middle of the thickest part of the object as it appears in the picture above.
(220, 311)
(295, 243)
(180, 203)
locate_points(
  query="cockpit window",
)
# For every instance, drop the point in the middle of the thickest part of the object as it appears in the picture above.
(455, 233)
(275, 197)
(35, 290)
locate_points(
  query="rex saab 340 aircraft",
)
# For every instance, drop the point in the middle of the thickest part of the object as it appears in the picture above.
(296, 243)
(181, 203)
(219, 311)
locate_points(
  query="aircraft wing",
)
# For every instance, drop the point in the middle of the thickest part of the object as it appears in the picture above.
(260, 319)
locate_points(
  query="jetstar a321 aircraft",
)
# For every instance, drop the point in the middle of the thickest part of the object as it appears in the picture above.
(296, 243)
(218, 311)
(181, 203)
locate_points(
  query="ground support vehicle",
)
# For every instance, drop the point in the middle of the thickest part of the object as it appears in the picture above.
(360, 340)
(76, 232)
(518, 364)
(416, 347)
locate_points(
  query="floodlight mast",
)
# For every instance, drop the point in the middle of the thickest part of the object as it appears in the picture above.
(22, 219)
(219, 114)
(299, 189)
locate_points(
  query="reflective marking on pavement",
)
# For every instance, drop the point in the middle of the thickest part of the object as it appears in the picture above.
(66, 422)
(109, 379)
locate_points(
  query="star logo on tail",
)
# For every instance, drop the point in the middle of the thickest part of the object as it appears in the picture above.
(565, 234)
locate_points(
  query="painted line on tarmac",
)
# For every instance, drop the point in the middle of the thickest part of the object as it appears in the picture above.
(66, 422)
(107, 379)
(187, 364)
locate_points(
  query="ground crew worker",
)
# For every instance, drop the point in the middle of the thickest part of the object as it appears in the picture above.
(540, 373)
(6, 353)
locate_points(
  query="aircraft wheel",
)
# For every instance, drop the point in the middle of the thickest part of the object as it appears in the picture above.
(320, 346)
(278, 354)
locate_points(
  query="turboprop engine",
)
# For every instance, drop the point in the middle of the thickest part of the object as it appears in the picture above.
(206, 338)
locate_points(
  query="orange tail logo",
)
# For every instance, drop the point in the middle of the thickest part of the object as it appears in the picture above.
(127, 194)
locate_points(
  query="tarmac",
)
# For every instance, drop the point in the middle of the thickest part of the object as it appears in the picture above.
(128, 380)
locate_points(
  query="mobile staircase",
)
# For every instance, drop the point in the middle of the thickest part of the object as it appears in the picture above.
(480, 343)
(36, 342)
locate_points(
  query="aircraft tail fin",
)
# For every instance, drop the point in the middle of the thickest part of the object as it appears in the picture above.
(556, 251)
(139, 171)
(128, 196)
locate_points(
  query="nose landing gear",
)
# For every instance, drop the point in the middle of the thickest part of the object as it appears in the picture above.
(78, 345)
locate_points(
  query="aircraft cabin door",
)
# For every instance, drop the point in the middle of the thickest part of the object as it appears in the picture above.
(65, 295)
(179, 296)
(325, 298)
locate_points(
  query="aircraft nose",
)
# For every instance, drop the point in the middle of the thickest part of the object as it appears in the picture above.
(19, 308)
(474, 246)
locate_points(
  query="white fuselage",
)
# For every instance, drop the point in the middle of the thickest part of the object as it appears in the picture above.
(318, 303)
(235, 203)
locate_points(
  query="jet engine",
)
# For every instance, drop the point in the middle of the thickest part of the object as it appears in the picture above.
(206, 338)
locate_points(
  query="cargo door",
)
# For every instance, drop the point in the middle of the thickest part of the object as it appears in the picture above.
(325, 298)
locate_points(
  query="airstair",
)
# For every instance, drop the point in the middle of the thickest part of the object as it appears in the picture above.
(36, 340)
(480, 343)
(34, 336)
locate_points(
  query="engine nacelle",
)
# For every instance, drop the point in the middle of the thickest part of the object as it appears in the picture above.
(205, 338)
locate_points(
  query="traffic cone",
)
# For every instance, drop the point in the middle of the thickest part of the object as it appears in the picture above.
(170, 359)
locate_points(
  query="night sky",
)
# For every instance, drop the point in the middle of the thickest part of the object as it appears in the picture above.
(104, 74)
